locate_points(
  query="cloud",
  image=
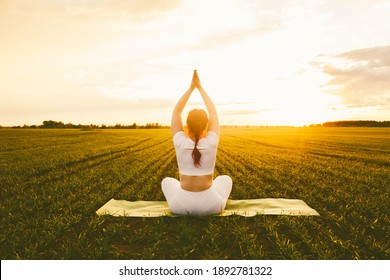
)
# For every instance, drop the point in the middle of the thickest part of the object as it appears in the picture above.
(67, 28)
(239, 112)
(241, 108)
(233, 23)
(234, 35)
(361, 77)
(101, 8)
(92, 108)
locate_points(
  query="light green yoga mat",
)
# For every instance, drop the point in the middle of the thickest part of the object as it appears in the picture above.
(246, 207)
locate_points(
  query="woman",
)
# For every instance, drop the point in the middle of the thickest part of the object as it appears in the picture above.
(196, 150)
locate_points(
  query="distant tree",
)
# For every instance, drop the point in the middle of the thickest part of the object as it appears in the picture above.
(53, 124)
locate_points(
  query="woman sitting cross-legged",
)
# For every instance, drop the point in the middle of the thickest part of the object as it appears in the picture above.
(197, 192)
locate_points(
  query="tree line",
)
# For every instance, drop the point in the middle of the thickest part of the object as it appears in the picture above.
(361, 123)
(56, 124)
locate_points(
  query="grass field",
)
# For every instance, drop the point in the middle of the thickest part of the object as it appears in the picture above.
(53, 181)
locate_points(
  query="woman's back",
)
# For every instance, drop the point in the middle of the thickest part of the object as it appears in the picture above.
(207, 146)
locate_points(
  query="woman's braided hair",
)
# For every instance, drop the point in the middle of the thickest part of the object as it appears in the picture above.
(197, 122)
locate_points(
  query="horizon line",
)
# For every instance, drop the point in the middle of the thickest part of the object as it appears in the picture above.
(157, 124)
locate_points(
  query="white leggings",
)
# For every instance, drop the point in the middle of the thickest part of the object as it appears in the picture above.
(210, 201)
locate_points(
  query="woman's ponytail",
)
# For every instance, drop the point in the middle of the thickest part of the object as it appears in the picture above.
(196, 155)
(197, 122)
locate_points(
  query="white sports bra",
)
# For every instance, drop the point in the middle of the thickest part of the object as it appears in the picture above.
(207, 146)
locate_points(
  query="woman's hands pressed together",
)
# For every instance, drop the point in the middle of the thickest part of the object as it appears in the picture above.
(195, 81)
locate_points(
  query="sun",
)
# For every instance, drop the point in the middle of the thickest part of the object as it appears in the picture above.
(315, 109)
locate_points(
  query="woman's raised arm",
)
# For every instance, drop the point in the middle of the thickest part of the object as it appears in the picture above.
(176, 121)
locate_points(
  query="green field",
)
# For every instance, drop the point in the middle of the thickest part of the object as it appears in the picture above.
(53, 181)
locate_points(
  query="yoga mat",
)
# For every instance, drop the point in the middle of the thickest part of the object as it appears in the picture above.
(245, 207)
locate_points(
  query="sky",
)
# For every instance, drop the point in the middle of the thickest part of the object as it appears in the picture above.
(263, 62)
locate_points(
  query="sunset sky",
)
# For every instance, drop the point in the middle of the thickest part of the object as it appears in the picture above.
(263, 62)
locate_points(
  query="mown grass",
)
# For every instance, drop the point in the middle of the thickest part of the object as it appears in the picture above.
(53, 181)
